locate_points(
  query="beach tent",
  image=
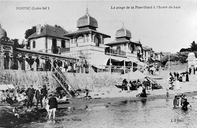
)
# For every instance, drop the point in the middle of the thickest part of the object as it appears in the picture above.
(133, 75)
(6, 86)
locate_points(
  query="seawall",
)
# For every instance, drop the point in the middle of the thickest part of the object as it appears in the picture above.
(23, 79)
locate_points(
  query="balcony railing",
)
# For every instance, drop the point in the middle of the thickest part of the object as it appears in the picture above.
(115, 52)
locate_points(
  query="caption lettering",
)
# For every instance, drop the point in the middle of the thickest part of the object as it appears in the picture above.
(144, 7)
(32, 8)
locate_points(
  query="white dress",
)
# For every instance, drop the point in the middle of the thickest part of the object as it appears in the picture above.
(139, 90)
(177, 85)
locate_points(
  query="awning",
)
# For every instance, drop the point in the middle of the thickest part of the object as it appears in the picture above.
(99, 61)
(119, 58)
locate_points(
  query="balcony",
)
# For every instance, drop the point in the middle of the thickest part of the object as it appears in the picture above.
(115, 52)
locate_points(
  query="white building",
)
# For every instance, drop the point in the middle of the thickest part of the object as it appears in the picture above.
(147, 53)
(89, 43)
(48, 39)
(192, 60)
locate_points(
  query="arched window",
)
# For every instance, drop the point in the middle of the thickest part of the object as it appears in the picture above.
(97, 40)
(34, 44)
(80, 39)
(63, 44)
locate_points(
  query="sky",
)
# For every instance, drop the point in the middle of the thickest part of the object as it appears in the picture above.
(165, 26)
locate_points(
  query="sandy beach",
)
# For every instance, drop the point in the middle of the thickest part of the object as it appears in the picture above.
(108, 95)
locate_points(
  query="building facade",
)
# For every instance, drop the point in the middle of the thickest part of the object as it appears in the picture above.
(48, 39)
(12, 57)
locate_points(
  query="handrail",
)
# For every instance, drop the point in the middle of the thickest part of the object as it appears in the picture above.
(62, 78)
(67, 91)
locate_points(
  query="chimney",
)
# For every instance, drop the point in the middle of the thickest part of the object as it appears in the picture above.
(38, 29)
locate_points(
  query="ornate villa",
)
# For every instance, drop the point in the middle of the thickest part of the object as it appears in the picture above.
(77, 51)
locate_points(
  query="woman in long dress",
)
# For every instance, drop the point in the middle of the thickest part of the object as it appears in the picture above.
(187, 77)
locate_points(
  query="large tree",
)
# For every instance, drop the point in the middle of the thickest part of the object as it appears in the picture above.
(29, 32)
(16, 44)
(193, 46)
(185, 50)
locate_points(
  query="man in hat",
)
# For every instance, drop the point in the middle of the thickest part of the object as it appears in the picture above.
(39, 97)
(30, 95)
(53, 105)
(44, 91)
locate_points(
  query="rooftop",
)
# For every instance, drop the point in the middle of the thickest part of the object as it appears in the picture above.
(50, 31)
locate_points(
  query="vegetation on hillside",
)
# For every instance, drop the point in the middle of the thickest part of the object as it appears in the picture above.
(182, 55)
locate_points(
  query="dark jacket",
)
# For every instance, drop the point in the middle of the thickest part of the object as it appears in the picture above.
(38, 95)
(52, 102)
(44, 91)
(30, 92)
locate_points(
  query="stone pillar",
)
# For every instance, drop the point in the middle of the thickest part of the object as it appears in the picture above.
(85, 38)
(93, 37)
(70, 41)
(102, 40)
(1, 60)
(90, 38)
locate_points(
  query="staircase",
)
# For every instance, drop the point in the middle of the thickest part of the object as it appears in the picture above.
(62, 80)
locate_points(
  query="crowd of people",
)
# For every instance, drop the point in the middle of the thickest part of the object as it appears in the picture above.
(43, 64)
(175, 78)
(151, 70)
(181, 101)
(31, 97)
(141, 87)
